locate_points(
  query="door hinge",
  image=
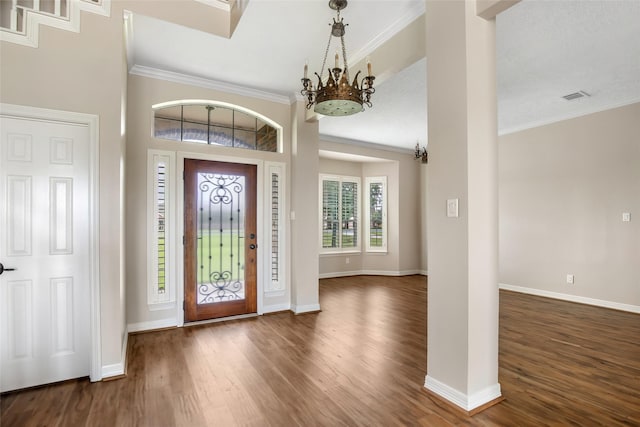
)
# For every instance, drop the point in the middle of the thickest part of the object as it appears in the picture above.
(183, 241)
(184, 305)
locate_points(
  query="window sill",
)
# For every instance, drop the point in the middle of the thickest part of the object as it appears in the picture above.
(377, 252)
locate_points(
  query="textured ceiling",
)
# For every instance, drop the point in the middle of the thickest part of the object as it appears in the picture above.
(398, 116)
(544, 49)
(548, 49)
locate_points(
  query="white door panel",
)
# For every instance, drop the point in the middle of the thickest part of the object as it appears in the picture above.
(44, 235)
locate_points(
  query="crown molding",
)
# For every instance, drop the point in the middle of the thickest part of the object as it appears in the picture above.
(127, 18)
(365, 144)
(170, 76)
(225, 5)
(400, 24)
(540, 123)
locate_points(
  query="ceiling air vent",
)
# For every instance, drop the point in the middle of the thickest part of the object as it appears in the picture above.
(576, 95)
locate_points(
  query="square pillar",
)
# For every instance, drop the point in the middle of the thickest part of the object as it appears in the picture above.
(462, 359)
(305, 241)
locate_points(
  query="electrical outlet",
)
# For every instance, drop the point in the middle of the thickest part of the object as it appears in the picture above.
(570, 279)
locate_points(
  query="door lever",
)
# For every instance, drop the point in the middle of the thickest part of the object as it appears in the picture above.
(2, 269)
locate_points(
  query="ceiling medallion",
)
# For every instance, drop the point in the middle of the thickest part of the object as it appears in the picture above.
(336, 97)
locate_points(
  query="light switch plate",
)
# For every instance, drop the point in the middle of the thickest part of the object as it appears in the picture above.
(452, 208)
(626, 216)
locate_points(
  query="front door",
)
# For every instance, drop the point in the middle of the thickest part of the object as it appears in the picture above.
(220, 239)
(44, 252)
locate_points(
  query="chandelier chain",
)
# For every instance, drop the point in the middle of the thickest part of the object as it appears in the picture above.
(324, 61)
(344, 56)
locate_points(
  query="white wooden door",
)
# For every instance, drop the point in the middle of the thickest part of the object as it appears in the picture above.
(44, 236)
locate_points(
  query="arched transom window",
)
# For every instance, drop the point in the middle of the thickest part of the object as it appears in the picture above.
(216, 123)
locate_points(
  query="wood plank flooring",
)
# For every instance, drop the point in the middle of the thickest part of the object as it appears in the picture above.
(359, 362)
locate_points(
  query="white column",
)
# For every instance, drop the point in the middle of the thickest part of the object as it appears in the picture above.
(462, 361)
(305, 229)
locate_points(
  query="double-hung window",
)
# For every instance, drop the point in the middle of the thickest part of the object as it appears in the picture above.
(340, 213)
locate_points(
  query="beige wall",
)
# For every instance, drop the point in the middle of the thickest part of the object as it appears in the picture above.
(404, 242)
(424, 200)
(563, 189)
(84, 73)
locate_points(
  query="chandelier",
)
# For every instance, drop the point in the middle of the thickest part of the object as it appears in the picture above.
(336, 97)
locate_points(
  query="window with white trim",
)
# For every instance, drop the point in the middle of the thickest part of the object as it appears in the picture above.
(340, 213)
(160, 229)
(376, 214)
(275, 181)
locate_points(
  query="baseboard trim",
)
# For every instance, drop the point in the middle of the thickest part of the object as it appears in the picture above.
(571, 298)
(275, 308)
(340, 274)
(117, 369)
(335, 274)
(151, 325)
(308, 308)
(469, 403)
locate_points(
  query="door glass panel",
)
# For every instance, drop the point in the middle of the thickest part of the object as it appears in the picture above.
(220, 232)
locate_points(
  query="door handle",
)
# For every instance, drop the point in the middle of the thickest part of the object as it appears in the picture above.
(2, 269)
(252, 246)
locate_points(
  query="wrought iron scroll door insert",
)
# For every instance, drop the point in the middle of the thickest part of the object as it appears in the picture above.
(220, 239)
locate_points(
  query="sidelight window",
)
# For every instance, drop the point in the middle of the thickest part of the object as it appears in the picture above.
(160, 241)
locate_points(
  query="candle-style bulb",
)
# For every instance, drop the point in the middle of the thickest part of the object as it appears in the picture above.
(337, 59)
(306, 68)
(369, 66)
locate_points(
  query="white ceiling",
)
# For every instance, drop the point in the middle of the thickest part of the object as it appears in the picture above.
(545, 49)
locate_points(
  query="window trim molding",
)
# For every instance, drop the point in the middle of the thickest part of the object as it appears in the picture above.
(367, 214)
(340, 178)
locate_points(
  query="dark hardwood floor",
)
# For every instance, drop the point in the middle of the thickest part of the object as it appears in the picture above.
(360, 362)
